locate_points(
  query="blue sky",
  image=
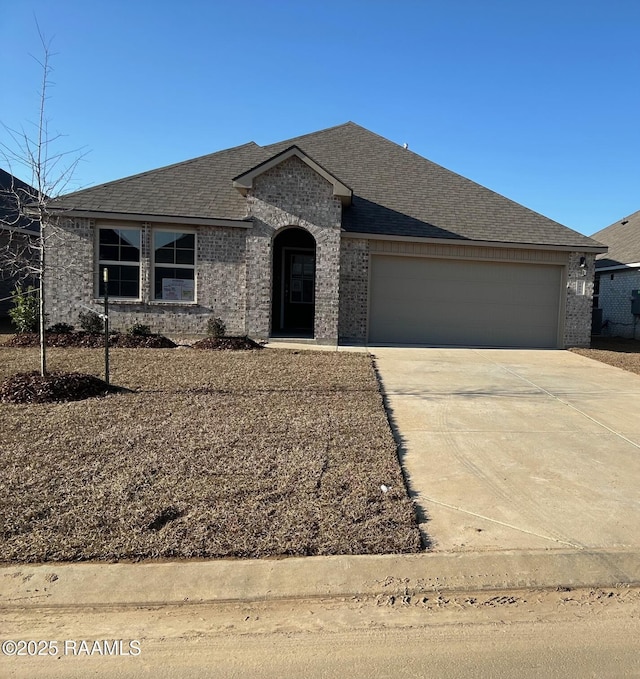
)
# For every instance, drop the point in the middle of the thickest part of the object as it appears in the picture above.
(538, 100)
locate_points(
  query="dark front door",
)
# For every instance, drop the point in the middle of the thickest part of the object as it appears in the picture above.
(294, 281)
(298, 288)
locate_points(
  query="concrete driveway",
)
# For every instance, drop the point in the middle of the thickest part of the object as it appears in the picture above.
(517, 449)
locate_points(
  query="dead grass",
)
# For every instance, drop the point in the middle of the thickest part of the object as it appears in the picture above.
(216, 454)
(616, 351)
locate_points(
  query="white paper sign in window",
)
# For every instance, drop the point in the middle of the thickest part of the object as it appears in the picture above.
(178, 289)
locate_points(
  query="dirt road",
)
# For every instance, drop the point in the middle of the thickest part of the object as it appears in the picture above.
(578, 633)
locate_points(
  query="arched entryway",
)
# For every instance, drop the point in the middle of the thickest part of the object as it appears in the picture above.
(294, 282)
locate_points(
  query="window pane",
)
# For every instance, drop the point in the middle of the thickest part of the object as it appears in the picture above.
(119, 245)
(109, 252)
(174, 247)
(165, 256)
(124, 281)
(184, 256)
(128, 289)
(168, 284)
(164, 238)
(307, 296)
(129, 254)
(129, 273)
(186, 240)
(109, 237)
(129, 237)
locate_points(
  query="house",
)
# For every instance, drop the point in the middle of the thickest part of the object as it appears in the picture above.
(339, 235)
(18, 235)
(617, 279)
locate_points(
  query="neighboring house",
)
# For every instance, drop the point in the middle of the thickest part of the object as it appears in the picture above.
(17, 234)
(618, 279)
(338, 235)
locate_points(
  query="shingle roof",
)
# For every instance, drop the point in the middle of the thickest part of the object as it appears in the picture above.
(623, 239)
(395, 192)
(201, 187)
(13, 195)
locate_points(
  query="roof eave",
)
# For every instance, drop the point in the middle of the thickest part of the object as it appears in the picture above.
(155, 218)
(19, 229)
(618, 267)
(480, 243)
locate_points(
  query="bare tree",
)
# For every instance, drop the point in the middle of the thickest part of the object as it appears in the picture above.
(27, 224)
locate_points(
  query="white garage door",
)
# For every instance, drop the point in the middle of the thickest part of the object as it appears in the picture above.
(416, 300)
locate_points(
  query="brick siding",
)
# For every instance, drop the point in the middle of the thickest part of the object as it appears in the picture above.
(579, 300)
(354, 280)
(615, 302)
(293, 194)
(354, 289)
(220, 279)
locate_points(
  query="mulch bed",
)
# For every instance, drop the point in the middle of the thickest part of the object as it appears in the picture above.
(616, 351)
(89, 340)
(206, 454)
(227, 343)
(32, 387)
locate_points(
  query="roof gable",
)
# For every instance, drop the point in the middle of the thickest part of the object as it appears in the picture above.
(244, 182)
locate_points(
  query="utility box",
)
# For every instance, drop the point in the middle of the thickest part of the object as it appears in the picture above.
(635, 302)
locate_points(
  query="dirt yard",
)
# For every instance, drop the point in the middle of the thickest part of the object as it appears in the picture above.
(616, 351)
(211, 454)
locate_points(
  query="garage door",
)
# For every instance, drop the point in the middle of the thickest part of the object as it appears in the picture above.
(417, 300)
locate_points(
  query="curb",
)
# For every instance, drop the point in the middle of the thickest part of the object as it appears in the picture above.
(126, 584)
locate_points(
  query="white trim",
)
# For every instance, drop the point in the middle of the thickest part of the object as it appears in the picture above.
(473, 243)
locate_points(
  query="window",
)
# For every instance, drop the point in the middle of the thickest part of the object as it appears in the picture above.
(174, 254)
(302, 279)
(119, 253)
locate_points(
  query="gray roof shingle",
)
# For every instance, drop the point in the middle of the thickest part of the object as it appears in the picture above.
(395, 192)
(14, 195)
(623, 240)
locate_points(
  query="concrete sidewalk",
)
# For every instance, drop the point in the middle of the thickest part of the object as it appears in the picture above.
(73, 585)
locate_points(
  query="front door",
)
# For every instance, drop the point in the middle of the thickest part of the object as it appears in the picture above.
(298, 291)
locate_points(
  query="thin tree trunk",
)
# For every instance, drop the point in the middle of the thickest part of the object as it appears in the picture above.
(43, 339)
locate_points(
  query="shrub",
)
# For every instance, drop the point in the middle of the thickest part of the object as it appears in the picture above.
(139, 329)
(216, 327)
(25, 311)
(60, 329)
(91, 322)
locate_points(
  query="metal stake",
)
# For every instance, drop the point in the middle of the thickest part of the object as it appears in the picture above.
(105, 278)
